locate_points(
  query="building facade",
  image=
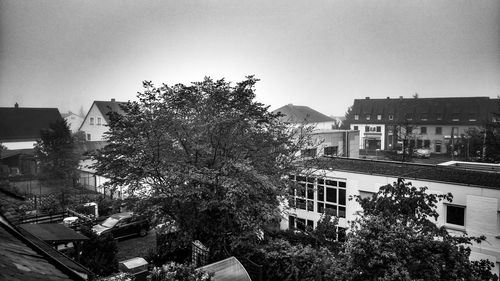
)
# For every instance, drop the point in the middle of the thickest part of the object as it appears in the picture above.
(95, 123)
(73, 120)
(433, 123)
(475, 208)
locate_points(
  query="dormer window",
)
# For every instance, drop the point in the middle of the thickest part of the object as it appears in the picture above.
(368, 116)
(423, 117)
(379, 117)
(356, 117)
(455, 117)
(409, 116)
(472, 117)
(439, 116)
(91, 120)
(391, 117)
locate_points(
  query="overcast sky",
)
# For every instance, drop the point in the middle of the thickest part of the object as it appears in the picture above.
(322, 54)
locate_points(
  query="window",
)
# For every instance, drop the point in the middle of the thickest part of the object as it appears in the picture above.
(379, 129)
(423, 117)
(472, 117)
(427, 143)
(331, 150)
(98, 120)
(455, 215)
(88, 137)
(367, 128)
(439, 130)
(356, 128)
(356, 117)
(454, 131)
(437, 146)
(91, 120)
(366, 194)
(423, 130)
(368, 117)
(330, 195)
(419, 143)
(455, 117)
(391, 117)
(439, 116)
(308, 152)
(409, 116)
(379, 117)
(299, 223)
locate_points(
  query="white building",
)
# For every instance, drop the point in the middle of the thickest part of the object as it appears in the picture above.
(334, 143)
(95, 124)
(73, 120)
(475, 208)
(304, 115)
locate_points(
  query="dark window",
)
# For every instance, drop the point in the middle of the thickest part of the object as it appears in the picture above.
(342, 197)
(321, 181)
(321, 193)
(310, 205)
(291, 177)
(301, 190)
(409, 116)
(419, 143)
(331, 183)
(291, 222)
(331, 195)
(301, 224)
(301, 204)
(423, 130)
(341, 183)
(439, 130)
(331, 209)
(455, 215)
(91, 120)
(310, 179)
(331, 150)
(310, 224)
(355, 128)
(341, 212)
(88, 137)
(439, 116)
(341, 234)
(367, 128)
(427, 143)
(423, 116)
(321, 207)
(379, 129)
(308, 152)
(310, 191)
(301, 178)
(391, 117)
(437, 147)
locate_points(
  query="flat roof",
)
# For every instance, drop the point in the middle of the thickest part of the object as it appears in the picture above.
(53, 232)
(453, 174)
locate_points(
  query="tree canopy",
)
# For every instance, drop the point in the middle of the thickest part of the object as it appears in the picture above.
(55, 151)
(206, 155)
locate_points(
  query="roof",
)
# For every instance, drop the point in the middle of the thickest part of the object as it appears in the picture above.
(465, 110)
(20, 259)
(454, 175)
(13, 152)
(25, 123)
(107, 106)
(53, 232)
(301, 114)
(229, 269)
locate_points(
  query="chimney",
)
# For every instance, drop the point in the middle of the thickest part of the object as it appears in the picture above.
(388, 98)
(400, 97)
(113, 100)
(16, 105)
(367, 98)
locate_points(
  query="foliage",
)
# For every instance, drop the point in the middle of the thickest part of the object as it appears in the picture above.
(396, 238)
(346, 124)
(284, 261)
(55, 153)
(481, 144)
(178, 272)
(206, 155)
(99, 253)
(121, 276)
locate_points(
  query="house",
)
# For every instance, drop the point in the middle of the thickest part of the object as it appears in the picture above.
(304, 115)
(476, 196)
(19, 131)
(73, 120)
(20, 126)
(333, 143)
(427, 122)
(95, 124)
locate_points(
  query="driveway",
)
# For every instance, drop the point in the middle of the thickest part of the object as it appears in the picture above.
(136, 246)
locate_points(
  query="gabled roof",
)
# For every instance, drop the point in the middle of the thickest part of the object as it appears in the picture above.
(107, 106)
(301, 114)
(465, 110)
(23, 124)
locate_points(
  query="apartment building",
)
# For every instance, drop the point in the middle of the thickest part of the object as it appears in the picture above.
(475, 208)
(432, 123)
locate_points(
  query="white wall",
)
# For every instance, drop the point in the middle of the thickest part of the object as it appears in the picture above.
(96, 131)
(19, 145)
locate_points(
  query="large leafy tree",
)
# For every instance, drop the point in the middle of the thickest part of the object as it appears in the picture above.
(396, 238)
(206, 155)
(55, 152)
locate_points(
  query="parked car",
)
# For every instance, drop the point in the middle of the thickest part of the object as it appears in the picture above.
(422, 152)
(123, 225)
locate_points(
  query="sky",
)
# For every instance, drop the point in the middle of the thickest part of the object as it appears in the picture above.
(322, 54)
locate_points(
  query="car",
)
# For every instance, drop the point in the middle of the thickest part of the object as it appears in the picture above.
(422, 153)
(123, 225)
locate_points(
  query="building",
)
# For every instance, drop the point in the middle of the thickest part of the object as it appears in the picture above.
(304, 115)
(73, 120)
(95, 124)
(426, 122)
(20, 126)
(333, 143)
(476, 196)
(19, 131)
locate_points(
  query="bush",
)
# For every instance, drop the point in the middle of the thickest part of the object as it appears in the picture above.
(178, 272)
(99, 253)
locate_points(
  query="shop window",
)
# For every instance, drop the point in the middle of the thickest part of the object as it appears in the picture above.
(455, 215)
